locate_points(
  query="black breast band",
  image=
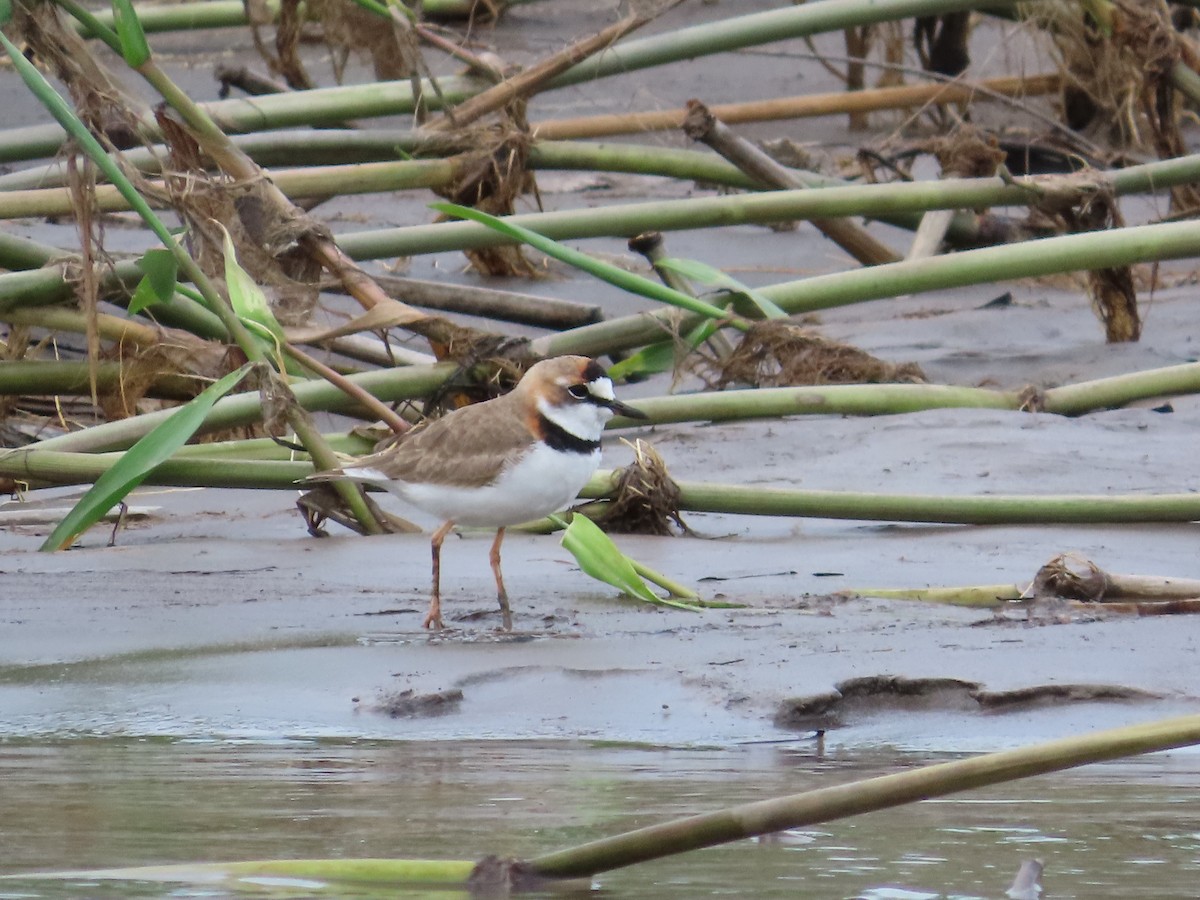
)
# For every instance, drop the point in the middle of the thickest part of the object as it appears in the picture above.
(558, 438)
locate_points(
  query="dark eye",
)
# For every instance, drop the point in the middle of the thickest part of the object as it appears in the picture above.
(579, 391)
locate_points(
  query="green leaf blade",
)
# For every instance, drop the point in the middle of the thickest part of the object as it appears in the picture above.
(134, 47)
(614, 275)
(247, 298)
(159, 283)
(138, 462)
(706, 274)
(600, 558)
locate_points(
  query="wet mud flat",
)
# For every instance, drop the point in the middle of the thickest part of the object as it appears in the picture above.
(219, 614)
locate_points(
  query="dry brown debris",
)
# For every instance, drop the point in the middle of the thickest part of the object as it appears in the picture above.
(491, 180)
(1069, 576)
(1117, 75)
(781, 354)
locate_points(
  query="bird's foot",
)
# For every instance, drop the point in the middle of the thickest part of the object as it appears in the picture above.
(433, 618)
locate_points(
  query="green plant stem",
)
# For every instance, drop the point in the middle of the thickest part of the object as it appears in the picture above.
(231, 13)
(73, 377)
(1119, 390)
(56, 466)
(895, 399)
(17, 253)
(318, 107)
(268, 449)
(244, 409)
(627, 220)
(825, 804)
(111, 328)
(873, 200)
(834, 399)
(989, 509)
(41, 287)
(672, 587)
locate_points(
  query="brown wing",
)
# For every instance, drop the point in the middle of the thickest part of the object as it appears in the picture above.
(469, 446)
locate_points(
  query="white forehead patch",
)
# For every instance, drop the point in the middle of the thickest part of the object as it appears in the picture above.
(603, 388)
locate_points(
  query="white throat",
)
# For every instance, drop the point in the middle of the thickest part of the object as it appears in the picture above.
(583, 420)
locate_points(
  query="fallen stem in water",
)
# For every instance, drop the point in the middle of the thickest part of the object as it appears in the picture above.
(766, 816)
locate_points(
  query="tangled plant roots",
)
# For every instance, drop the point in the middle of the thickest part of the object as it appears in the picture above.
(646, 498)
(780, 354)
(492, 180)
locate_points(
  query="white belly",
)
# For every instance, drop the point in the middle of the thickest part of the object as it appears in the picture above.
(544, 481)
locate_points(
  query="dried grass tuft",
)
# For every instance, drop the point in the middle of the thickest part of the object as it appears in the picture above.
(645, 499)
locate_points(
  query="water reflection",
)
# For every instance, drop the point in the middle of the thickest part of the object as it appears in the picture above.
(1112, 831)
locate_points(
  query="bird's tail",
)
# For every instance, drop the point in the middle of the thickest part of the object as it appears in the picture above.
(362, 475)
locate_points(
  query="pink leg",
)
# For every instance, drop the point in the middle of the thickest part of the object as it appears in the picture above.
(433, 618)
(501, 593)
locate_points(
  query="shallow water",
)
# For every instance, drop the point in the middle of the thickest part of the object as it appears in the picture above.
(1124, 830)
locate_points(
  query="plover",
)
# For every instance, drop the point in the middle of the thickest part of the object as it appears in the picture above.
(508, 460)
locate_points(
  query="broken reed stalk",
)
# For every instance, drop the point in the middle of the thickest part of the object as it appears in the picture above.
(508, 306)
(701, 125)
(360, 178)
(1120, 589)
(980, 596)
(825, 804)
(800, 107)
